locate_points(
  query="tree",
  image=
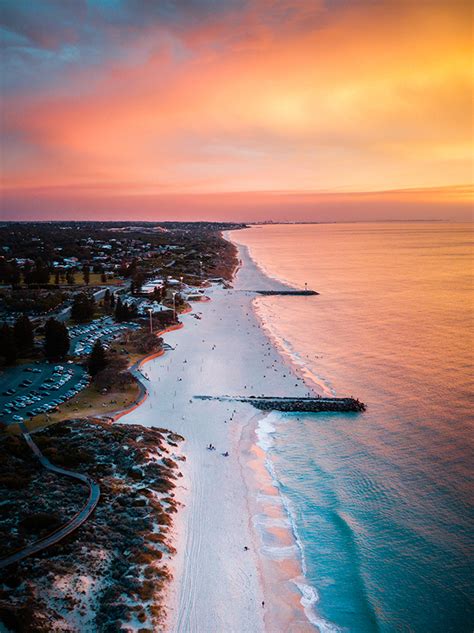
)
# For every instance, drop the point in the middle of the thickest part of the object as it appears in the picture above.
(8, 348)
(131, 268)
(145, 342)
(83, 308)
(23, 332)
(37, 275)
(70, 278)
(56, 339)
(137, 282)
(157, 294)
(114, 376)
(56, 277)
(107, 299)
(118, 314)
(122, 311)
(86, 274)
(9, 272)
(41, 272)
(125, 311)
(178, 300)
(97, 359)
(103, 278)
(112, 300)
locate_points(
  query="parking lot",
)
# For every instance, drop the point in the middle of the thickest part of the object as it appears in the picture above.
(106, 329)
(28, 390)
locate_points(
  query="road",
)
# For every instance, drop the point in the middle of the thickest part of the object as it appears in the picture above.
(69, 527)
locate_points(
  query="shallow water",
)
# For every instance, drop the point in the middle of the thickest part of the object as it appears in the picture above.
(381, 502)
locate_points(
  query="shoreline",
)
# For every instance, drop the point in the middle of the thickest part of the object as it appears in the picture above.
(285, 587)
(217, 531)
(135, 370)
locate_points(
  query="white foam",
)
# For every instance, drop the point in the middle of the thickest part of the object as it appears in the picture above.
(279, 552)
(270, 499)
(309, 597)
(269, 522)
(264, 432)
(286, 349)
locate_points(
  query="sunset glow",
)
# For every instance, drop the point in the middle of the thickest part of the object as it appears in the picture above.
(243, 110)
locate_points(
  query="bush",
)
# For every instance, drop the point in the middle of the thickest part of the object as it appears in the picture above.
(14, 481)
(111, 378)
(40, 521)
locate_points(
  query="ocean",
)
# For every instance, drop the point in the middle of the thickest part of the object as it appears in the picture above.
(381, 502)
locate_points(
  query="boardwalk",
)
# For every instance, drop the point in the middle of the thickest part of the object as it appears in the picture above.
(69, 527)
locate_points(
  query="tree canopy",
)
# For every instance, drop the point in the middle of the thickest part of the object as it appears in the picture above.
(97, 360)
(56, 339)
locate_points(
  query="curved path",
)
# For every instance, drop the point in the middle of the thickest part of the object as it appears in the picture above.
(69, 527)
(135, 371)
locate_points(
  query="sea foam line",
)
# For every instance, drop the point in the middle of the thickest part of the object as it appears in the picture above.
(265, 431)
(285, 348)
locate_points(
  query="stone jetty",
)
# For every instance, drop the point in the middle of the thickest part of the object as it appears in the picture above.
(309, 405)
(297, 293)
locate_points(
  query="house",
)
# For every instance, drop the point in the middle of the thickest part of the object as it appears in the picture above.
(149, 287)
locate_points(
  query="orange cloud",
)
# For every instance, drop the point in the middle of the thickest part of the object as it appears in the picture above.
(369, 97)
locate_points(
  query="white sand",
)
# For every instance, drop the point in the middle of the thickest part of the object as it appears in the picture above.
(218, 586)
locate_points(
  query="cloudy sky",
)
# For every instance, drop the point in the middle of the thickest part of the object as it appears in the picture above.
(236, 109)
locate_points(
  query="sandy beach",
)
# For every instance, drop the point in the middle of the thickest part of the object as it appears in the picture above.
(237, 563)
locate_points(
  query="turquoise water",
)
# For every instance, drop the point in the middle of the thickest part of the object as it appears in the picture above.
(382, 501)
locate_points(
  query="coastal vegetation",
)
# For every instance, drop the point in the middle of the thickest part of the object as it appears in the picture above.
(114, 568)
(56, 339)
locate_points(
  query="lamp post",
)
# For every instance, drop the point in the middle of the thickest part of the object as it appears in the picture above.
(150, 312)
(174, 305)
(181, 280)
(200, 268)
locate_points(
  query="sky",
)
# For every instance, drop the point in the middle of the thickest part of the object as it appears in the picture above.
(242, 110)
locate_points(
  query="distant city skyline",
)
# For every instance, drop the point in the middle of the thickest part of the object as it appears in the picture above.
(239, 110)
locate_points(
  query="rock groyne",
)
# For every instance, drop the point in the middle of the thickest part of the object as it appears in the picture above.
(291, 405)
(298, 293)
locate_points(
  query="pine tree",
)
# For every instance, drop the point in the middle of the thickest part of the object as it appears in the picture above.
(97, 360)
(56, 339)
(86, 274)
(23, 332)
(8, 347)
(119, 310)
(83, 308)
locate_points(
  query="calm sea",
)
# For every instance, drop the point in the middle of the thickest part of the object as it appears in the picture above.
(381, 502)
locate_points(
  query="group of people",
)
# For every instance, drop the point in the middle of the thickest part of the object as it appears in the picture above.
(211, 447)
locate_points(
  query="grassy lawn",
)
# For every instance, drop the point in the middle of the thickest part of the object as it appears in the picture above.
(94, 280)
